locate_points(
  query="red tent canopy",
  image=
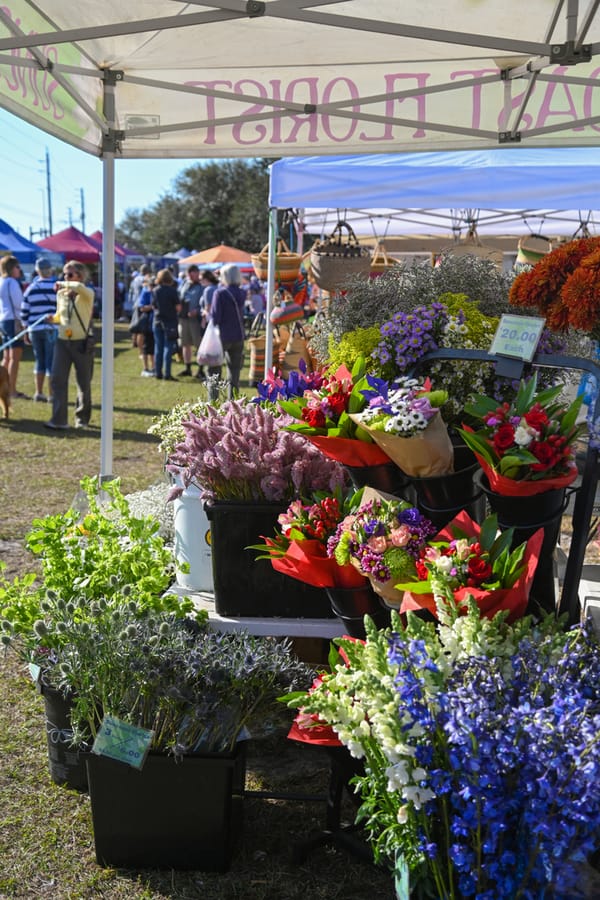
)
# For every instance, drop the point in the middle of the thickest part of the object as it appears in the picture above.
(74, 244)
(119, 250)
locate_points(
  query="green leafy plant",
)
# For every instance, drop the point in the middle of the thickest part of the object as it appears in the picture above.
(103, 552)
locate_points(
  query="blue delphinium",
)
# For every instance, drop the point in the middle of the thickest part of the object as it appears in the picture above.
(510, 752)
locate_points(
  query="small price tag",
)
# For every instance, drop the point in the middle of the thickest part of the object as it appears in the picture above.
(518, 336)
(123, 742)
(35, 672)
(401, 878)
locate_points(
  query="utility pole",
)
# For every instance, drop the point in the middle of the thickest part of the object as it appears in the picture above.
(82, 204)
(49, 192)
(70, 217)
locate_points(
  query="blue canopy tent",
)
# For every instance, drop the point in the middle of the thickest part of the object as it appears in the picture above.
(13, 242)
(509, 191)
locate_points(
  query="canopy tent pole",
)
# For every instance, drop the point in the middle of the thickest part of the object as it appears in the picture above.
(108, 282)
(270, 288)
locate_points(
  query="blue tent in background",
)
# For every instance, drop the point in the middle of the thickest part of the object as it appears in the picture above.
(13, 242)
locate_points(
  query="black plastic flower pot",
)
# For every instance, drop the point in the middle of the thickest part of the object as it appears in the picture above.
(185, 814)
(441, 497)
(526, 514)
(244, 585)
(351, 605)
(385, 477)
(66, 762)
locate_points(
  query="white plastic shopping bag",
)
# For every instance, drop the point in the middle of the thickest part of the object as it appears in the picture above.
(210, 351)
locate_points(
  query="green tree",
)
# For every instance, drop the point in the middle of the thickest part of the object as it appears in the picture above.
(213, 202)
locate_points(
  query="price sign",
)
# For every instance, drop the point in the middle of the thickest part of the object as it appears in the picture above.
(123, 742)
(518, 336)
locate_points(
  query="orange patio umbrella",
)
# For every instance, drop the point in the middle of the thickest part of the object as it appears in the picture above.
(219, 254)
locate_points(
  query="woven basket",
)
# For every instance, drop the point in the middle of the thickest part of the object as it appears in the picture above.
(381, 261)
(337, 257)
(287, 263)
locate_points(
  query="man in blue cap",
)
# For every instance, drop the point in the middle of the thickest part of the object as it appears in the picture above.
(40, 300)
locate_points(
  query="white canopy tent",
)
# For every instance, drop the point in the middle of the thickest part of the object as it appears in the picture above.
(226, 78)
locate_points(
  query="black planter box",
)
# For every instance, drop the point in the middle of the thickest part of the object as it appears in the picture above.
(66, 761)
(175, 815)
(246, 586)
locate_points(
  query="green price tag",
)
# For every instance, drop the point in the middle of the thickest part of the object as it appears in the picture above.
(123, 742)
(518, 336)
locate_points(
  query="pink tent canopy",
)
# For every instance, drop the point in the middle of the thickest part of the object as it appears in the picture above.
(74, 244)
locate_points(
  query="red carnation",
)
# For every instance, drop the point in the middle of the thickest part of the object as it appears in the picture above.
(338, 403)
(504, 438)
(314, 417)
(536, 417)
(422, 570)
(545, 453)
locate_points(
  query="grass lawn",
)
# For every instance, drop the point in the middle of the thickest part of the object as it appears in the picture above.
(46, 843)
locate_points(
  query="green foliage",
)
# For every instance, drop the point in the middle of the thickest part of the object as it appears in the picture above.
(360, 342)
(371, 301)
(105, 552)
(213, 202)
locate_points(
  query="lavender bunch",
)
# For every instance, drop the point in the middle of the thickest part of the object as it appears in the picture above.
(240, 452)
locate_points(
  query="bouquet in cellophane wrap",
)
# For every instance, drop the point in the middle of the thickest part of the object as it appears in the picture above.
(382, 539)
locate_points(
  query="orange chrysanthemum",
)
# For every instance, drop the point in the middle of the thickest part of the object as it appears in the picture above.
(563, 286)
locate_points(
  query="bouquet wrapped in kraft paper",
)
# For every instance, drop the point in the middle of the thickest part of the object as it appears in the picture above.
(428, 452)
(405, 422)
(474, 561)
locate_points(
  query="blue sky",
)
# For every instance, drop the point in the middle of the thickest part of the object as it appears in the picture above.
(23, 191)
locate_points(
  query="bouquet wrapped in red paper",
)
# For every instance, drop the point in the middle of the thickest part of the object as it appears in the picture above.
(299, 547)
(473, 560)
(324, 417)
(525, 447)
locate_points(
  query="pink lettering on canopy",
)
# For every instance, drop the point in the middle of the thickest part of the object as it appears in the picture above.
(328, 98)
(589, 95)
(393, 82)
(35, 85)
(261, 130)
(210, 104)
(544, 110)
(476, 92)
(306, 119)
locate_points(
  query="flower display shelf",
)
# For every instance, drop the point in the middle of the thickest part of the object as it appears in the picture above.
(583, 507)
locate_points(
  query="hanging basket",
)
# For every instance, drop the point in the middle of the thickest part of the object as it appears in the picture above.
(287, 263)
(381, 261)
(531, 249)
(472, 246)
(337, 257)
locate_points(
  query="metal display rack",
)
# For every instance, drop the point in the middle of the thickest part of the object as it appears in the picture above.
(508, 367)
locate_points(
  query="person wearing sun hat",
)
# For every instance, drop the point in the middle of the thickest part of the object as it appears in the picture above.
(40, 300)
